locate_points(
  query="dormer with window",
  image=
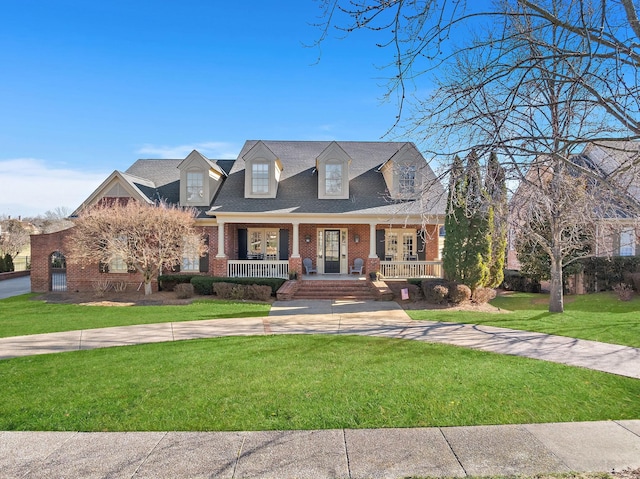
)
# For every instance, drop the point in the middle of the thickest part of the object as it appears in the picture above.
(402, 172)
(333, 173)
(262, 172)
(200, 179)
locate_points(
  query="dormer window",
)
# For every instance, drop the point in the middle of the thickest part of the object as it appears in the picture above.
(262, 172)
(333, 178)
(333, 173)
(259, 178)
(195, 186)
(407, 180)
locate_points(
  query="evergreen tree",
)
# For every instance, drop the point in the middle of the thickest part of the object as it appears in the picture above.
(8, 263)
(496, 188)
(455, 222)
(476, 254)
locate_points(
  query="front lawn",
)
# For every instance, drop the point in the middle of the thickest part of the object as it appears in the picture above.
(299, 382)
(23, 315)
(599, 317)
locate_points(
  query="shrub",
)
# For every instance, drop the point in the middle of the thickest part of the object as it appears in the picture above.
(223, 290)
(120, 287)
(259, 292)
(459, 293)
(624, 291)
(100, 287)
(483, 295)
(8, 263)
(167, 282)
(184, 290)
(633, 279)
(3, 268)
(204, 284)
(516, 281)
(435, 293)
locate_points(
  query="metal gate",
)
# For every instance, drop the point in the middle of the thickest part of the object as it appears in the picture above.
(58, 272)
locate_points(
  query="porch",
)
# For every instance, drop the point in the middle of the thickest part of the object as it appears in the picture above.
(280, 269)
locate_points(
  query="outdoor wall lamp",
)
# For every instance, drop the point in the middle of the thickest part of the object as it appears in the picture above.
(307, 239)
(356, 238)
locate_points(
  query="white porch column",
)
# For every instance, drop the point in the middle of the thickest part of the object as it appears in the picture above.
(295, 251)
(221, 253)
(372, 240)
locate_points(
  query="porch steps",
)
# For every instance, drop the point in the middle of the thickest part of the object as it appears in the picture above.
(335, 289)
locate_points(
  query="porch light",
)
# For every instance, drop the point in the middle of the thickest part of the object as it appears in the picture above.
(356, 238)
(307, 239)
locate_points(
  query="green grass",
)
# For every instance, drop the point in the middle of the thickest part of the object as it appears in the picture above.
(23, 315)
(299, 382)
(599, 317)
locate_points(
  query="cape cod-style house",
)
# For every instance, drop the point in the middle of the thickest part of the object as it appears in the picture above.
(283, 207)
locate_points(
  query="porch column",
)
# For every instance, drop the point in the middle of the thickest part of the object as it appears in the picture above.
(221, 252)
(295, 250)
(372, 241)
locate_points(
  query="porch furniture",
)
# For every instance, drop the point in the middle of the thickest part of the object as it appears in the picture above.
(308, 266)
(358, 264)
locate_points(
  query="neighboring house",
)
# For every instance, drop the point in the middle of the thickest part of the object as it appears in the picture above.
(281, 202)
(617, 229)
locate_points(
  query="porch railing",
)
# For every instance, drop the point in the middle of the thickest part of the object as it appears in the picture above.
(258, 269)
(411, 269)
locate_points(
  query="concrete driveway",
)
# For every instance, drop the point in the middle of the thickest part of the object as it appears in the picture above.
(15, 287)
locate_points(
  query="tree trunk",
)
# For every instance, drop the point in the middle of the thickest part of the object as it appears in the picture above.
(556, 300)
(147, 284)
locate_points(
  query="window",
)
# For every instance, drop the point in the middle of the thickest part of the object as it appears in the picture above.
(260, 178)
(400, 245)
(407, 180)
(263, 244)
(117, 264)
(195, 186)
(627, 242)
(333, 178)
(190, 256)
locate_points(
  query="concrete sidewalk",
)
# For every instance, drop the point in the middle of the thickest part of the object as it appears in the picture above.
(378, 453)
(351, 453)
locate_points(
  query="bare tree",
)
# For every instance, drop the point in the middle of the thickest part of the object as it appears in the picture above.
(535, 80)
(145, 237)
(14, 237)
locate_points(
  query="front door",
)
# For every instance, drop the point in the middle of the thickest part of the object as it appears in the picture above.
(332, 251)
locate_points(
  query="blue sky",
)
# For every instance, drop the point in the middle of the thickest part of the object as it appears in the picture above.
(89, 87)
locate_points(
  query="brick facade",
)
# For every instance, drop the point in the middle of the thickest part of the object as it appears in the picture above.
(84, 277)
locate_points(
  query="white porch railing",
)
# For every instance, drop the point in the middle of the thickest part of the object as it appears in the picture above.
(258, 269)
(411, 269)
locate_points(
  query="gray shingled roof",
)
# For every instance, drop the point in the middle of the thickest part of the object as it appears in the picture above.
(298, 185)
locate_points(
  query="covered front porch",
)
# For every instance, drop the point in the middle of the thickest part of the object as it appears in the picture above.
(316, 250)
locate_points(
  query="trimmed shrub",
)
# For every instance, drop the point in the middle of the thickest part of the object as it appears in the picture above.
(483, 295)
(184, 290)
(3, 268)
(602, 274)
(8, 263)
(459, 293)
(204, 284)
(624, 291)
(168, 282)
(633, 279)
(223, 290)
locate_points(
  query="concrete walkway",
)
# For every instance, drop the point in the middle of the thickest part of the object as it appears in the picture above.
(389, 453)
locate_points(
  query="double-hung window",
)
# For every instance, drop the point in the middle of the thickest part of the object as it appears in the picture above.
(333, 178)
(260, 178)
(407, 180)
(195, 186)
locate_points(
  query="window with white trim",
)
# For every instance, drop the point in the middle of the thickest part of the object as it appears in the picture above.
(333, 178)
(400, 245)
(407, 180)
(263, 244)
(117, 263)
(190, 256)
(628, 242)
(195, 186)
(260, 178)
